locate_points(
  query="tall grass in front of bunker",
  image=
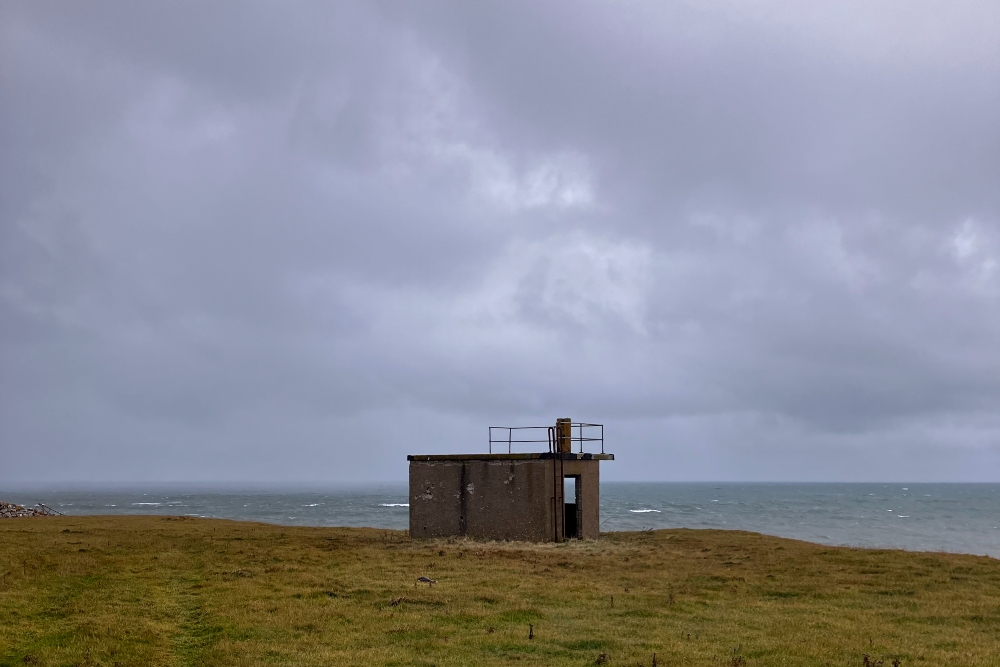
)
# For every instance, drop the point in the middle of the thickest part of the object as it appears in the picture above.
(170, 591)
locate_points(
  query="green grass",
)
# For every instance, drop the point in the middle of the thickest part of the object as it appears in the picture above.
(169, 591)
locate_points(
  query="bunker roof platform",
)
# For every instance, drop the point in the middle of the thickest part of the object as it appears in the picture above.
(563, 456)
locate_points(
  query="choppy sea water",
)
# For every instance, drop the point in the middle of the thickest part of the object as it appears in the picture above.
(961, 518)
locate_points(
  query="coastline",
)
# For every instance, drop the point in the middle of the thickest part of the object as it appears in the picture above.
(953, 518)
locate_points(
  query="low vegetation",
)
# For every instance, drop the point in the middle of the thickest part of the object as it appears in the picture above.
(178, 591)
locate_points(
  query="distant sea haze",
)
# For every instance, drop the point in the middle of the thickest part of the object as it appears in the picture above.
(960, 518)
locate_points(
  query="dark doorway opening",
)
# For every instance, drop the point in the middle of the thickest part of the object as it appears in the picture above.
(571, 513)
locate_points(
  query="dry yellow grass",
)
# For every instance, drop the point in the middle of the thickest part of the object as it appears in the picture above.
(166, 591)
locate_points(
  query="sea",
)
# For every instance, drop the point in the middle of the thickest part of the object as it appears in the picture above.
(958, 518)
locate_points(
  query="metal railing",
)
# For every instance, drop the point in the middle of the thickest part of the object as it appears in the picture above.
(580, 433)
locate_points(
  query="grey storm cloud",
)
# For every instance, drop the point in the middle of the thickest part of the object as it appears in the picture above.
(296, 241)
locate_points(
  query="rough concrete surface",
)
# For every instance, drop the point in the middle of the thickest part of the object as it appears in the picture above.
(501, 497)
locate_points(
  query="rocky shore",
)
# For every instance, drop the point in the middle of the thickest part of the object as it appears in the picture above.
(12, 510)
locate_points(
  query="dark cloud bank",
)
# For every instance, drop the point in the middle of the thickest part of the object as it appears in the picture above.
(295, 241)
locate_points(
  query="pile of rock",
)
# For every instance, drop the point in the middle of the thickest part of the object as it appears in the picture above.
(11, 510)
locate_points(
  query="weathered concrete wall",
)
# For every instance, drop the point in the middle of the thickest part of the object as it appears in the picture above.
(500, 499)
(435, 499)
(496, 500)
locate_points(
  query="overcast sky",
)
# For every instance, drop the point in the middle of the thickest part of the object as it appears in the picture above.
(296, 241)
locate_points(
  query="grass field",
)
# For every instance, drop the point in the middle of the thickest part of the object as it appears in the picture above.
(177, 591)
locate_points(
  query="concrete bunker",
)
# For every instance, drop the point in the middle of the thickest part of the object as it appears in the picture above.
(542, 496)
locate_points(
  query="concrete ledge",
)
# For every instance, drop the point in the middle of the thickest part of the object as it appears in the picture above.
(574, 456)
